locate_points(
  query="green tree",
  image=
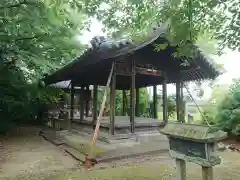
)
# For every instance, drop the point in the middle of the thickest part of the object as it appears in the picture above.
(39, 35)
(210, 110)
(189, 19)
(228, 115)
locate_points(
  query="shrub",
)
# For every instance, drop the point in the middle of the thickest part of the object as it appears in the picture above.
(228, 116)
(20, 101)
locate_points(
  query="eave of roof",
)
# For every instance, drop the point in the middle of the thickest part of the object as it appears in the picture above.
(121, 48)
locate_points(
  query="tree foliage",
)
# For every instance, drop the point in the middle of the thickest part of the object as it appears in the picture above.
(21, 102)
(189, 19)
(39, 35)
(228, 116)
(211, 109)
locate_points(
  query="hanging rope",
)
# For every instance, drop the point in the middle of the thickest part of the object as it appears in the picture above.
(199, 109)
(191, 38)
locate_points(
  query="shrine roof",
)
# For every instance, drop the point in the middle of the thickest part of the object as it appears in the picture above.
(93, 66)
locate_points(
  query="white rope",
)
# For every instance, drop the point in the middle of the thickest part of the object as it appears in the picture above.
(199, 109)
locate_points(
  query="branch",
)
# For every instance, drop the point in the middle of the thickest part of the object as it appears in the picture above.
(30, 38)
(24, 2)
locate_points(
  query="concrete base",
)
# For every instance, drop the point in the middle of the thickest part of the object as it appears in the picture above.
(108, 148)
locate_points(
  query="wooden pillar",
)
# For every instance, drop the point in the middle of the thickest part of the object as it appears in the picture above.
(182, 104)
(71, 106)
(164, 95)
(124, 103)
(178, 101)
(94, 107)
(87, 100)
(82, 103)
(113, 101)
(137, 112)
(155, 102)
(181, 169)
(132, 102)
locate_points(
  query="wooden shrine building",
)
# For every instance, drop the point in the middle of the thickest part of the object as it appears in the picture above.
(135, 65)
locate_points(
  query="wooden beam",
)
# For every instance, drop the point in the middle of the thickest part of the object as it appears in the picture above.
(94, 107)
(164, 95)
(132, 102)
(113, 101)
(140, 70)
(155, 102)
(137, 103)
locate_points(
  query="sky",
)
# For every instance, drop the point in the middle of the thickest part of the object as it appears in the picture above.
(230, 60)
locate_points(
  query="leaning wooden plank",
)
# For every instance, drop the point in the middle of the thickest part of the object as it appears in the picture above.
(88, 161)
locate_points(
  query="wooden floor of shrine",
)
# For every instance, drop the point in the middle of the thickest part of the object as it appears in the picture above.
(122, 123)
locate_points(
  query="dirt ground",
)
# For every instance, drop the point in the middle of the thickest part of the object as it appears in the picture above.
(29, 157)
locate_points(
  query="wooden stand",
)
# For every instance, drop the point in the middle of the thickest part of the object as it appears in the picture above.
(181, 169)
(207, 173)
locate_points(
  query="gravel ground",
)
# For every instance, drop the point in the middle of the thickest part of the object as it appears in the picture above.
(31, 157)
(153, 168)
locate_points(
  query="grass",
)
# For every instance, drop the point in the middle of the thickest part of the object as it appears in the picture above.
(120, 173)
(228, 170)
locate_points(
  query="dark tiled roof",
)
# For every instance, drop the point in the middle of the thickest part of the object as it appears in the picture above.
(94, 65)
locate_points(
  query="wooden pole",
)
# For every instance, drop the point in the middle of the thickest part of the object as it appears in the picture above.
(71, 106)
(87, 100)
(82, 103)
(132, 99)
(155, 102)
(165, 108)
(94, 107)
(112, 102)
(137, 103)
(96, 131)
(181, 169)
(178, 101)
(123, 102)
(182, 104)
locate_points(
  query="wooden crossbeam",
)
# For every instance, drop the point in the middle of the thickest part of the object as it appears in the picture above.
(146, 71)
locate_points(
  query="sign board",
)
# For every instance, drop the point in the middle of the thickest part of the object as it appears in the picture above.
(193, 143)
(124, 68)
(190, 148)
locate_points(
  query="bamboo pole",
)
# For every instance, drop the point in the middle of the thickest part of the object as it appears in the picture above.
(96, 132)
